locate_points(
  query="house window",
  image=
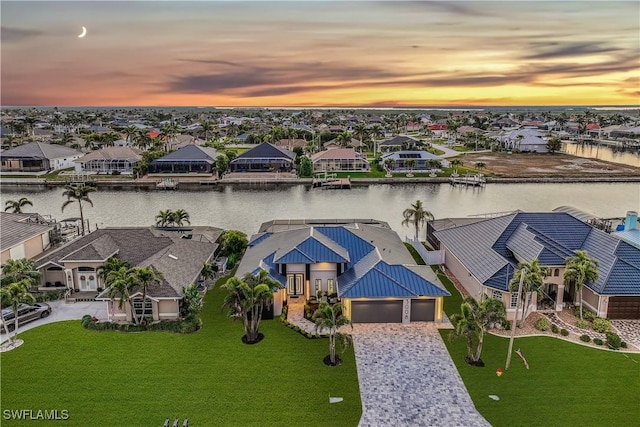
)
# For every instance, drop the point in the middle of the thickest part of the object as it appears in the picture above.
(331, 286)
(556, 272)
(514, 300)
(137, 307)
(318, 284)
(86, 269)
(497, 295)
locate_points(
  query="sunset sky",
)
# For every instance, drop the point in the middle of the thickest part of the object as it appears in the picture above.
(320, 53)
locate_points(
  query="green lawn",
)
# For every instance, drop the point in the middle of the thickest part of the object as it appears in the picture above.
(567, 384)
(113, 378)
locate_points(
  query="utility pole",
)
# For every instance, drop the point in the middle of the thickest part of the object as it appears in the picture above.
(515, 319)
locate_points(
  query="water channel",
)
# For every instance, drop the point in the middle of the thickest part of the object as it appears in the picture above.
(246, 208)
(628, 156)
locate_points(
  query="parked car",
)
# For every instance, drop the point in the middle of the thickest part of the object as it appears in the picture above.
(26, 314)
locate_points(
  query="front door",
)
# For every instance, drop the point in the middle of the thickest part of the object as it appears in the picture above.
(294, 284)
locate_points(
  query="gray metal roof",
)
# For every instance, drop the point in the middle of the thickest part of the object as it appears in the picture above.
(522, 243)
(40, 150)
(17, 228)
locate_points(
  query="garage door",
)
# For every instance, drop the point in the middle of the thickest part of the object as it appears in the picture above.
(376, 311)
(624, 308)
(423, 310)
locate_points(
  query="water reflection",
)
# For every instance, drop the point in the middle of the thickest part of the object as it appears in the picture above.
(615, 154)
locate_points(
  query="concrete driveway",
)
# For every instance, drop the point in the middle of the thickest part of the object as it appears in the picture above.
(407, 378)
(61, 311)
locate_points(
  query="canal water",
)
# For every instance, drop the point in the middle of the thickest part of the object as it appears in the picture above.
(246, 208)
(607, 153)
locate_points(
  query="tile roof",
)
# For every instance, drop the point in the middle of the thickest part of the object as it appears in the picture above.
(338, 153)
(553, 237)
(40, 150)
(16, 228)
(266, 150)
(112, 153)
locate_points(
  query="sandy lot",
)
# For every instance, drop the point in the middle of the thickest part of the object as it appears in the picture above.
(539, 165)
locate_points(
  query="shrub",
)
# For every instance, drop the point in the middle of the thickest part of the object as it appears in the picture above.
(188, 325)
(542, 324)
(582, 324)
(623, 344)
(585, 338)
(613, 340)
(601, 325)
(564, 332)
(586, 314)
(555, 329)
(597, 341)
(506, 325)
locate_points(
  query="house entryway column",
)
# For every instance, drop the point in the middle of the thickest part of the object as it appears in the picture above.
(69, 275)
(560, 298)
(406, 310)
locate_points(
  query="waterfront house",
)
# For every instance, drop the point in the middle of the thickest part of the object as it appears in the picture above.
(484, 253)
(178, 254)
(423, 160)
(362, 262)
(290, 144)
(109, 160)
(400, 142)
(190, 159)
(339, 160)
(526, 139)
(334, 143)
(35, 157)
(23, 235)
(265, 157)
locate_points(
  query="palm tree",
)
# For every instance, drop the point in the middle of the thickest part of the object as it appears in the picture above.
(579, 270)
(465, 325)
(78, 193)
(247, 298)
(344, 139)
(164, 218)
(417, 216)
(13, 139)
(206, 127)
(329, 317)
(144, 277)
(16, 205)
(376, 132)
(360, 131)
(16, 270)
(179, 217)
(12, 296)
(112, 264)
(453, 127)
(192, 302)
(120, 282)
(130, 133)
(534, 275)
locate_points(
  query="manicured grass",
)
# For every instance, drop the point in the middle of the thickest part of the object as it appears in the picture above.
(416, 256)
(567, 384)
(114, 378)
(452, 303)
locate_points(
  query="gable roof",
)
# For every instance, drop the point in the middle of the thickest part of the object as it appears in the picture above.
(338, 153)
(40, 150)
(399, 140)
(97, 250)
(487, 249)
(266, 150)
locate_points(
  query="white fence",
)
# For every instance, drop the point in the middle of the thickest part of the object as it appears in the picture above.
(429, 257)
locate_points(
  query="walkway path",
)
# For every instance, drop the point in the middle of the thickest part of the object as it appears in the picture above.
(629, 331)
(407, 378)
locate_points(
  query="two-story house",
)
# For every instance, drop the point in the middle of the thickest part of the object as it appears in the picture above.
(363, 262)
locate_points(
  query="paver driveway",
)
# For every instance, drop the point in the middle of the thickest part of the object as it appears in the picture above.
(407, 378)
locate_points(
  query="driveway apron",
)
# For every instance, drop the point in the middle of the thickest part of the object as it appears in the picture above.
(407, 378)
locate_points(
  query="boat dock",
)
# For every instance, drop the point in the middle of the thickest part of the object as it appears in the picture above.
(167, 184)
(474, 180)
(331, 181)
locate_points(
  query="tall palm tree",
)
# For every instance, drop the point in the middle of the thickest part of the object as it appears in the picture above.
(119, 284)
(534, 275)
(452, 127)
(417, 216)
(12, 296)
(12, 140)
(465, 325)
(247, 298)
(17, 205)
(16, 270)
(206, 127)
(180, 217)
(79, 194)
(361, 131)
(580, 270)
(329, 318)
(130, 133)
(344, 139)
(112, 264)
(144, 277)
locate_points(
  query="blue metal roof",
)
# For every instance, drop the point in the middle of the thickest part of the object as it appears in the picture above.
(624, 279)
(271, 268)
(384, 280)
(500, 280)
(310, 251)
(355, 246)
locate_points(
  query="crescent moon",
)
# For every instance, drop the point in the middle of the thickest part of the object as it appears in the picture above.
(84, 33)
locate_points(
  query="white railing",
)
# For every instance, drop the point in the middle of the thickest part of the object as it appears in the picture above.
(429, 257)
